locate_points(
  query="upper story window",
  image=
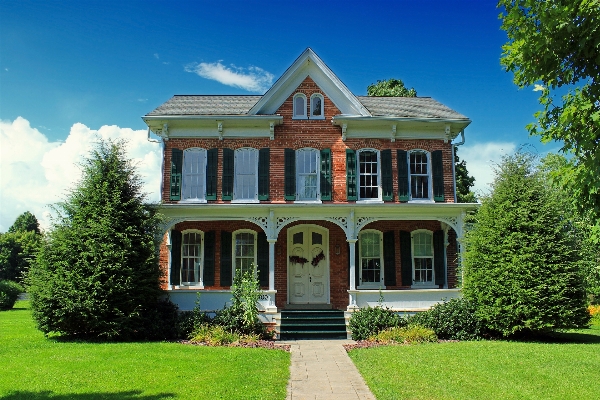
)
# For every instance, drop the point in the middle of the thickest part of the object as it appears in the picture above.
(317, 106)
(420, 175)
(246, 175)
(244, 251)
(194, 175)
(422, 251)
(307, 175)
(369, 183)
(299, 106)
(371, 258)
(191, 257)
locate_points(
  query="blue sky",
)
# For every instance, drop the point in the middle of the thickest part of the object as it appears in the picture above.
(74, 69)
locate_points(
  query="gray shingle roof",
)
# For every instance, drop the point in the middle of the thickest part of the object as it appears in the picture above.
(408, 107)
(401, 107)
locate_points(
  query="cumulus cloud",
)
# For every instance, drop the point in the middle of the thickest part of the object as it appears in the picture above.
(481, 159)
(252, 79)
(36, 172)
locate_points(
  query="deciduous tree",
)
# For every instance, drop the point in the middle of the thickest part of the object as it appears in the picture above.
(390, 88)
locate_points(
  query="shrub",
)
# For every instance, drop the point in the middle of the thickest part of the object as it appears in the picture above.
(369, 321)
(521, 258)
(188, 321)
(9, 292)
(406, 334)
(455, 320)
(216, 335)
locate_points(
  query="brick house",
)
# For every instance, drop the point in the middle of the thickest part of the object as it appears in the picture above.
(336, 198)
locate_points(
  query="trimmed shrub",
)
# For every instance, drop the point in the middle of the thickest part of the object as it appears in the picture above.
(9, 292)
(452, 320)
(411, 334)
(370, 321)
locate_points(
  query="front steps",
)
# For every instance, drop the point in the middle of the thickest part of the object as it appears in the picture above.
(312, 324)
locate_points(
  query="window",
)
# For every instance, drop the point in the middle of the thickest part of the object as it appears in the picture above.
(246, 175)
(191, 257)
(371, 262)
(317, 106)
(299, 106)
(194, 175)
(419, 176)
(307, 174)
(368, 175)
(244, 254)
(422, 242)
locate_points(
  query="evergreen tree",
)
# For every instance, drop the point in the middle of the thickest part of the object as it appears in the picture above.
(464, 182)
(18, 247)
(97, 274)
(26, 222)
(520, 261)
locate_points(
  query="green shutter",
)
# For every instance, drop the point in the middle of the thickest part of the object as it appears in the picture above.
(176, 164)
(351, 175)
(212, 157)
(403, 184)
(389, 259)
(262, 259)
(406, 258)
(437, 167)
(209, 258)
(226, 262)
(175, 257)
(326, 174)
(264, 161)
(227, 184)
(290, 174)
(438, 257)
(387, 183)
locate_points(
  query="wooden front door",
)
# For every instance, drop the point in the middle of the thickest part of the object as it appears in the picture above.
(308, 283)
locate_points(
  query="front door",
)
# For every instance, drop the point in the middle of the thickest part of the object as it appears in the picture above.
(308, 265)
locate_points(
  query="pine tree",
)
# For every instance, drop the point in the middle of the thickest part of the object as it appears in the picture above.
(97, 274)
(520, 263)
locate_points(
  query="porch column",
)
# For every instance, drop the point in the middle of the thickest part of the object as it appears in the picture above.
(271, 263)
(352, 256)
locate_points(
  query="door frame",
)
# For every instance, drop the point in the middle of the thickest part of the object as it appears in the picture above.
(290, 235)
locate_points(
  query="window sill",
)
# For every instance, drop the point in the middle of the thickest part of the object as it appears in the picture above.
(296, 117)
(318, 117)
(369, 201)
(308, 202)
(428, 201)
(371, 287)
(246, 201)
(189, 286)
(425, 286)
(193, 201)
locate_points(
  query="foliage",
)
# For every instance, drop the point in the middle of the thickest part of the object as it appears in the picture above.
(17, 250)
(217, 335)
(369, 321)
(520, 260)
(242, 315)
(9, 293)
(411, 334)
(464, 182)
(26, 222)
(40, 368)
(97, 274)
(390, 88)
(187, 321)
(555, 45)
(454, 320)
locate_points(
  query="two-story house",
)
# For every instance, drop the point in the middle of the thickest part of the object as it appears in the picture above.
(336, 198)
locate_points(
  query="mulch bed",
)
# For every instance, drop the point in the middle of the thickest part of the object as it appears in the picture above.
(263, 344)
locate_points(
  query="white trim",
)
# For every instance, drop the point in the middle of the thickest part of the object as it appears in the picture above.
(322, 114)
(428, 199)
(379, 187)
(317, 154)
(371, 285)
(199, 284)
(294, 109)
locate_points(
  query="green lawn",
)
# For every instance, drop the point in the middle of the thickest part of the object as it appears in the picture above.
(568, 368)
(33, 367)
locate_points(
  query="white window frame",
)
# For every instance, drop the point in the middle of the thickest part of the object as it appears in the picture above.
(427, 284)
(296, 115)
(312, 98)
(370, 285)
(317, 154)
(187, 187)
(241, 171)
(429, 198)
(233, 249)
(199, 266)
(379, 197)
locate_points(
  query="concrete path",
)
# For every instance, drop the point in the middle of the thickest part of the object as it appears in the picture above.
(322, 370)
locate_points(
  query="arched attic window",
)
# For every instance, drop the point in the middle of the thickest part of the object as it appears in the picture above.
(299, 106)
(317, 106)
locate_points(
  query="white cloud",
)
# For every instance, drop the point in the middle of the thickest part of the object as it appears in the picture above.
(36, 172)
(252, 79)
(481, 159)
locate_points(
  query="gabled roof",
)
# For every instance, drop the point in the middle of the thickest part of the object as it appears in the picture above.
(408, 107)
(206, 105)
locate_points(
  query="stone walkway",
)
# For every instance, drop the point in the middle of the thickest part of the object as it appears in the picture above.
(322, 370)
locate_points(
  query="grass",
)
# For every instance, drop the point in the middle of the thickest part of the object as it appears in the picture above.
(34, 367)
(565, 367)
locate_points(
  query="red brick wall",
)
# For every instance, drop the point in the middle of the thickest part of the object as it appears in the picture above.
(318, 134)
